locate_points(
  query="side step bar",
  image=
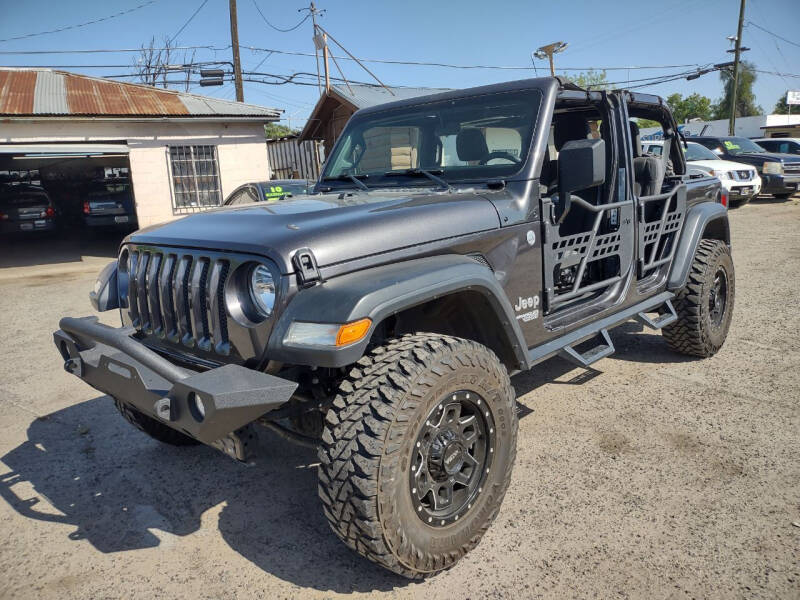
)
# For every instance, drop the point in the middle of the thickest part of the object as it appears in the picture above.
(601, 350)
(564, 345)
(662, 320)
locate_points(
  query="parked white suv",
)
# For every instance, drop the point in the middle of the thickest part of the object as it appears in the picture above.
(739, 180)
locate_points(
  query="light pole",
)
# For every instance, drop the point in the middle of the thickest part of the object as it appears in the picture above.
(548, 51)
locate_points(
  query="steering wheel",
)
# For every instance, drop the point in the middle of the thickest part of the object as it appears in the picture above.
(499, 154)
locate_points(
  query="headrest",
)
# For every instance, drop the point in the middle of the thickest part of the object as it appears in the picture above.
(635, 140)
(471, 145)
(570, 128)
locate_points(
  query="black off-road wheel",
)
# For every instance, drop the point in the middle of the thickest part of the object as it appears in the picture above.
(417, 452)
(705, 304)
(784, 196)
(157, 431)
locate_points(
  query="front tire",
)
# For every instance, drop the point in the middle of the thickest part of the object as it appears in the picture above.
(782, 196)
(705, 303)
(417, 452)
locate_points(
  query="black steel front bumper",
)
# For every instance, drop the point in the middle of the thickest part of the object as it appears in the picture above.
(205, 405)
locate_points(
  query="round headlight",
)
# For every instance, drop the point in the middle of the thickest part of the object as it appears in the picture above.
(262, 289)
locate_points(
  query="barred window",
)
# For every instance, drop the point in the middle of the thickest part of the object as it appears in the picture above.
(195, 178)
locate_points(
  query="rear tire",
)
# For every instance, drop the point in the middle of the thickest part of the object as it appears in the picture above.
(157, 431)
(417, 452)
(705, 304)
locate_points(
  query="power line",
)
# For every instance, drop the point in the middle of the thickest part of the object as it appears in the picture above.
(304, 19)
(92, 22)
(189, 20)
(370, 60)
(111, 50)
(780, 37)
(454, 66)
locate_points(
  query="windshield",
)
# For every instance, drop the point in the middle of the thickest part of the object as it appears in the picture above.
(740, 145)
(695, 151)
(24, 199)
(109, 188)
(473, 138)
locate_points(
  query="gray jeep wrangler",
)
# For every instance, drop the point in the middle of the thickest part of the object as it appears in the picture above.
(452, 241)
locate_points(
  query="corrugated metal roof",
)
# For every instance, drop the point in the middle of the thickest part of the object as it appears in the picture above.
(16, 91)
(30, 92)
(50, 94)
(363, 96)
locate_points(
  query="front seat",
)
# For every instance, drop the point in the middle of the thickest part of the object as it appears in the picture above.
(471, 145)
(566, 128)
(648, 171)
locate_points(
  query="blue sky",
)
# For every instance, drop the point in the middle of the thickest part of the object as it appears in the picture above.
(632, 33)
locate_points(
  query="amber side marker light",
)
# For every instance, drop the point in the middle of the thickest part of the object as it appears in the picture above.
(352, 332)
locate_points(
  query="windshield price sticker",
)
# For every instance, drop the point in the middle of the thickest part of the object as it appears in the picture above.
(274, 192)
(731, 146)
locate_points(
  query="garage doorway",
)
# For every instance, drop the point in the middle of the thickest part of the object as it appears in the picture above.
(63, 202)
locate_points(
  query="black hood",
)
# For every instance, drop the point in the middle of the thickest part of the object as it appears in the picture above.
(336, 227)
(759, 158)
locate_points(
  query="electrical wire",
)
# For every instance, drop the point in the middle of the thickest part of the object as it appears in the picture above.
(189, 20)
(780, 37)
(111, 50)
(454, 66)
(370, 60)
(92, 22)
(306, 18)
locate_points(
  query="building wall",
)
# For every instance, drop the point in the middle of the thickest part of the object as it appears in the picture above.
(750, 127)
(241, 152)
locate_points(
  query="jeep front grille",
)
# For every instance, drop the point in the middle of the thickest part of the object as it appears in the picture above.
(178, 296)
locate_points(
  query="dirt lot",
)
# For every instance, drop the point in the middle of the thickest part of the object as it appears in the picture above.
(657, 477)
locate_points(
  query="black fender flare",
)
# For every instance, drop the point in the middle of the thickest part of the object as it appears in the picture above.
(380, 292)
(700, 219)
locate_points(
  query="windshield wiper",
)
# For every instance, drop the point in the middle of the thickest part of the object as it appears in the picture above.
(432, 175)
(350, 177)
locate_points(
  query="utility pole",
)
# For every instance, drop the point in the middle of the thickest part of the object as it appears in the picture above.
(237, 64)
(737, 52)
(325, 53)
(313, 10)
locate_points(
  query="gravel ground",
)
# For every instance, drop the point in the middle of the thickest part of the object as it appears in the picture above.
(657, 476)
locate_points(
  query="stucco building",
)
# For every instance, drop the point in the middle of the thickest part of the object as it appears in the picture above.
(179, 152)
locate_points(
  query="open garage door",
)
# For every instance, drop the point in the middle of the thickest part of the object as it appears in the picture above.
(88, 184)
(79, 195)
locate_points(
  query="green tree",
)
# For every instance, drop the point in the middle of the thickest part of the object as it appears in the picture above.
(782, 107)
(745, 98)
(595, 80)
(645, 123)
(693, 106)
(276, 130)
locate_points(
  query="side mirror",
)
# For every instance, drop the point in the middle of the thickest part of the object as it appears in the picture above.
(581, 165)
